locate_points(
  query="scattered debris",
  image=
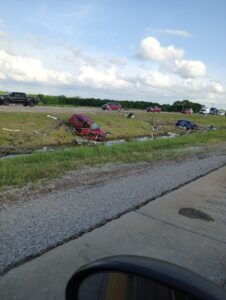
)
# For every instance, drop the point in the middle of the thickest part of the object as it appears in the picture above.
(115, 142)
(169, 135)
(193, 213)
(11, 130)
(45, 149)
(209, 127)
(52, 117)
(144, 138)
(81, 141)
(130, 115)
(156, 126)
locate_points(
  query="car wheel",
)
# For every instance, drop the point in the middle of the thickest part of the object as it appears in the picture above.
(25, 104)
(32, 103)
(6, 102)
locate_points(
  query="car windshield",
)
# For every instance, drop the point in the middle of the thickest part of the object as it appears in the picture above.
(94, 126)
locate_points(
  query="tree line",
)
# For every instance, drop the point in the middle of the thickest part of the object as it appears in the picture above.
(177, 106)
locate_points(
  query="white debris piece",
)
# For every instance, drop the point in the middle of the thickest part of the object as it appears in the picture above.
(11, 130)
(52, 117)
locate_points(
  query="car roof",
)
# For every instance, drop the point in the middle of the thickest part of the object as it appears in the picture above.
(184, 121)
(84, 118)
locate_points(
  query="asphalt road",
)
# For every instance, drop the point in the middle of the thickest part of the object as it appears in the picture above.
(48, 109)
(155, 230)
(29, 228)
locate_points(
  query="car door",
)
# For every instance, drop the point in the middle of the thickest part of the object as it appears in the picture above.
(21, 97)
(13, 97)
(17, 98)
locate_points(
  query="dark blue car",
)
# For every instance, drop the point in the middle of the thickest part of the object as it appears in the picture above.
(214, 111)
(188, 125)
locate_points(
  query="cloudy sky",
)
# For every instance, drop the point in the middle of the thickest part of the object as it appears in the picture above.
(116, 49)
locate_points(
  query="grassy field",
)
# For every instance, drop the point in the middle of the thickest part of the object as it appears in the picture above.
(36, 130)
(22, 169)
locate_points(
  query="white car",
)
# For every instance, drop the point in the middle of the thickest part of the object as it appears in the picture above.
(204, 111)
(221, 112)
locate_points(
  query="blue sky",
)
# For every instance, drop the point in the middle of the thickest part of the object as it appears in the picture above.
(142, 50)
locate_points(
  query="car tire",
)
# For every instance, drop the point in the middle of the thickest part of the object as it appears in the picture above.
(6, 102)
(25, 104)
(31, 103)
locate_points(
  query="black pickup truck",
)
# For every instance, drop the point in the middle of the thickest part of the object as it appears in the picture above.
(18, 98)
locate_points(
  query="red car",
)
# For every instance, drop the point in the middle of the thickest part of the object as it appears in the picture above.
(87, 127)
(153, 109)
(112, 106)
(187, 111)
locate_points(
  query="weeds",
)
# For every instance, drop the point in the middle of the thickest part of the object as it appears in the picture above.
(20, 170)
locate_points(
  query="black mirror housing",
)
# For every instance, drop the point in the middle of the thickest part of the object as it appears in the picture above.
(165, 274)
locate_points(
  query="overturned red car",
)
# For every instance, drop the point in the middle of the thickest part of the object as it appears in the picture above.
(87, 127)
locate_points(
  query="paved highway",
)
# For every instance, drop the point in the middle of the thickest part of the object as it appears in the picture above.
(33, 225)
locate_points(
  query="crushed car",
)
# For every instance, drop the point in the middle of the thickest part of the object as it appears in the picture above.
(186, 124)
(85, 126)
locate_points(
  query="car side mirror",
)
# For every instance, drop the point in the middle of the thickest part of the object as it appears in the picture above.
(139, 278)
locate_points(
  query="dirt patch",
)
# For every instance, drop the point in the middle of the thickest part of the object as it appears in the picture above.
(193, 213)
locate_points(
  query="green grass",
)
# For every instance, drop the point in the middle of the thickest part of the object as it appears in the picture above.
(20, 170)
(115, 123)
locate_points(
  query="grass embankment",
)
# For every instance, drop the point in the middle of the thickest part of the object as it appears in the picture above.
(36, 130)
(20, 170)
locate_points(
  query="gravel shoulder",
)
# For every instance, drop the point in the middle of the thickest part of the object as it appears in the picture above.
(47, 109)
(36, 222)
(52, 109)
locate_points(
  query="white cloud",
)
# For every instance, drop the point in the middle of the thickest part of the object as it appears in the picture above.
(118, 60)
(155, 79)
(152, 50)
(3, 34)
(217, 87)
(171, 59)
(177, 32)
(189, 68)
(27, 69)
(88, 75)
(168, 78)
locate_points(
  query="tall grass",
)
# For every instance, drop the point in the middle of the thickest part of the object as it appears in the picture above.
(22, 169)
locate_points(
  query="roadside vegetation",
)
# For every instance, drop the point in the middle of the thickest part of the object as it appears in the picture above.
(75, 101)
(36, 130)
(20, 170)
(177, 106)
